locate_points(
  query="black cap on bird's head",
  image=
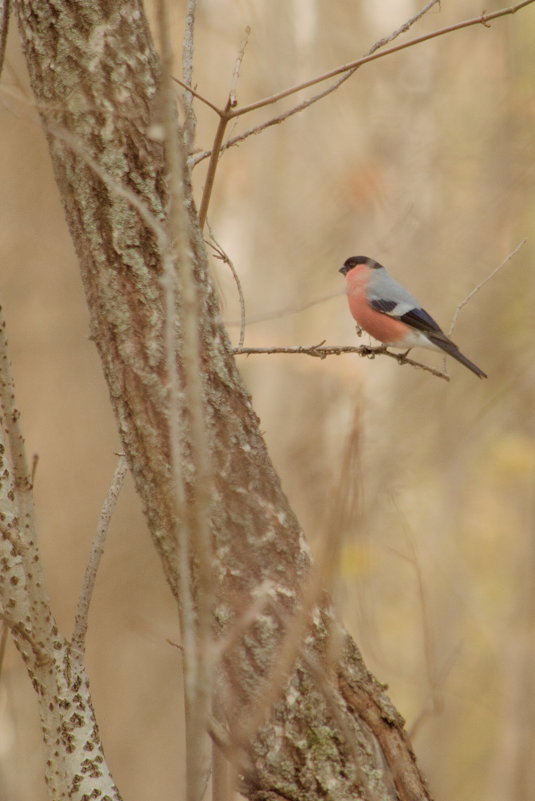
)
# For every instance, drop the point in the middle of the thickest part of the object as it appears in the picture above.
(353, 261)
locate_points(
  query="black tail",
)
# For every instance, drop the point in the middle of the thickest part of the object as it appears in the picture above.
(452, 350)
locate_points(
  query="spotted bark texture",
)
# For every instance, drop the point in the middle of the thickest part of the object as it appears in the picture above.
(94, 73)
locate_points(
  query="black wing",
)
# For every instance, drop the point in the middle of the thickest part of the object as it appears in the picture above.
(416, 318)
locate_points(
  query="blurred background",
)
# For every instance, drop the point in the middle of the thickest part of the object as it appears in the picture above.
(424, 161)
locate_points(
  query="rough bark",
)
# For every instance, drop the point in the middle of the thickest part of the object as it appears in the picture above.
(94, 73)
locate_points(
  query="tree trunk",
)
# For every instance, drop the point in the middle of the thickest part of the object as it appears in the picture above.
(95, 77)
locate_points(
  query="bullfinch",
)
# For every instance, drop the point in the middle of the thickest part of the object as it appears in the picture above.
(384, 309)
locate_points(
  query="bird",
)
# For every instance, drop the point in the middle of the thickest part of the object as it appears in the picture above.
(385, 309)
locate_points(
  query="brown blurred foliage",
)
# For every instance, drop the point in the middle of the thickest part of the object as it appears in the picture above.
(423, 161)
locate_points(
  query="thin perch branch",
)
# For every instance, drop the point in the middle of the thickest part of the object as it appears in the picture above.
(97, 549)
(321, 352)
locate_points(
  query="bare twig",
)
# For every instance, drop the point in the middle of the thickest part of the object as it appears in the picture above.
(4, 27)
(314, 99)
(97, 549)
(196, 520)
(321, 352)
(196, 94)
(483, 19)
(183, 533)
(197, 158)
(237, 67)
(225, 115)
(403, 28)
(350, 68)
(476, 289)
(212, 167)
(183, 521)
(187, 74)
(220, 254)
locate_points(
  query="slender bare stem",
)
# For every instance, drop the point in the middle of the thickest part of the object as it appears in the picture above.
(476, 289)
(237, 67)
(187, 74)
(196, 94)
(194, 750)
(350, 68)
(224, 117)
(220, 254)
(483, 19)
(97, 549)
(403, 28)
(212, 167)
(321, 352)
(314, 99)
(197, 158)
(198, 502)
